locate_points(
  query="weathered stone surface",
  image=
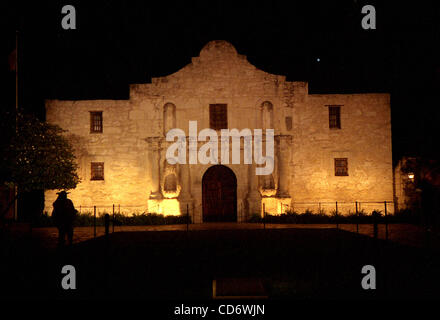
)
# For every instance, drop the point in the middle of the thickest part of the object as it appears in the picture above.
(133, 145)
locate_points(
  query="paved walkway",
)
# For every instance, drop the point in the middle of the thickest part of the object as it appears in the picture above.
(406, 234)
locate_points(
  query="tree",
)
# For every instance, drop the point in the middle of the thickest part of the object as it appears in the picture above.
(424, 186)
(35, 155)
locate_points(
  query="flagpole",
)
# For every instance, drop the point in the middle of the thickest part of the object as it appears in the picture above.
(16, 72)
(16, 115)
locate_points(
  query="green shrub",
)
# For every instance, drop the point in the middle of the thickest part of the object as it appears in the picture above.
(376, 214)
(255, 217)
(87, 219)
(406, 216)
(320, 217)
(43, 220)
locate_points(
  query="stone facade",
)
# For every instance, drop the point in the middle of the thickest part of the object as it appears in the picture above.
(132, 145)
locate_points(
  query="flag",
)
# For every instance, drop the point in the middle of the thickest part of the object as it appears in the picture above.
(13, 60)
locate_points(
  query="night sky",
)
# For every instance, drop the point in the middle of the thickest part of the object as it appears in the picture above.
(122, 42)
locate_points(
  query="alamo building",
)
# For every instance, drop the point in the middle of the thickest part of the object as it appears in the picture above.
(329, 150)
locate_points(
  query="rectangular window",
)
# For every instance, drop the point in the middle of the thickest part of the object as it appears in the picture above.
(341, 167)
(97, 171)
(218, 116)
(95, 121)
(334, 117)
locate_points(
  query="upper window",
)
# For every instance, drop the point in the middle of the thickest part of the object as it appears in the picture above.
(341, 167)
(97, 171)
(218, 116)
(95, 121)
(334, 117)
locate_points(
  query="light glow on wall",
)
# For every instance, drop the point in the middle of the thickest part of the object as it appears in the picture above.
(275, 206)
(167, 207)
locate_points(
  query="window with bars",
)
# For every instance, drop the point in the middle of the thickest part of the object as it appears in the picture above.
(97, 171)
(334, 117)
(218, 116)
(95, 121)
(341, 167)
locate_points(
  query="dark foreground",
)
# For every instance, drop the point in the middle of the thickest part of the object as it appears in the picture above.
(176, 265)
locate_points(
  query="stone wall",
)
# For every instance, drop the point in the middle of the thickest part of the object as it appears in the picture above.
(364, 139)
(120, 147)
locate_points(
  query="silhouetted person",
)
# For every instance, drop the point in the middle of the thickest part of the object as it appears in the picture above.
(63, 216)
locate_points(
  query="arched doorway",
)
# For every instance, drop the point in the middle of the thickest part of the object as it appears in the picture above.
(219, 193)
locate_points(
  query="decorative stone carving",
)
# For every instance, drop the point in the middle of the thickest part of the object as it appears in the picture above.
(170, 185)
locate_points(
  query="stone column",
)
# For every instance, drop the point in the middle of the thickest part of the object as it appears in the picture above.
(283, 153)
(253, 198)
(185, 191)
(185, 197)
(155, 150)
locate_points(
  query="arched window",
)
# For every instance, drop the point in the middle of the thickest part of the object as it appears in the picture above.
(268, 182)
(267, 186)
(267, 115)
(170, 183)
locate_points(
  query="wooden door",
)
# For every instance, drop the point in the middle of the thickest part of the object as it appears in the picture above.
(219, 194)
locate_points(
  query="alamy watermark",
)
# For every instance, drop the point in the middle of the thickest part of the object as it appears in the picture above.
(369, 280)
(369, 20)
(69, 20)
(69, 280)
(208, 153)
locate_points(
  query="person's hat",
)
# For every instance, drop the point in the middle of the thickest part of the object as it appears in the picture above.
(63, 192)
